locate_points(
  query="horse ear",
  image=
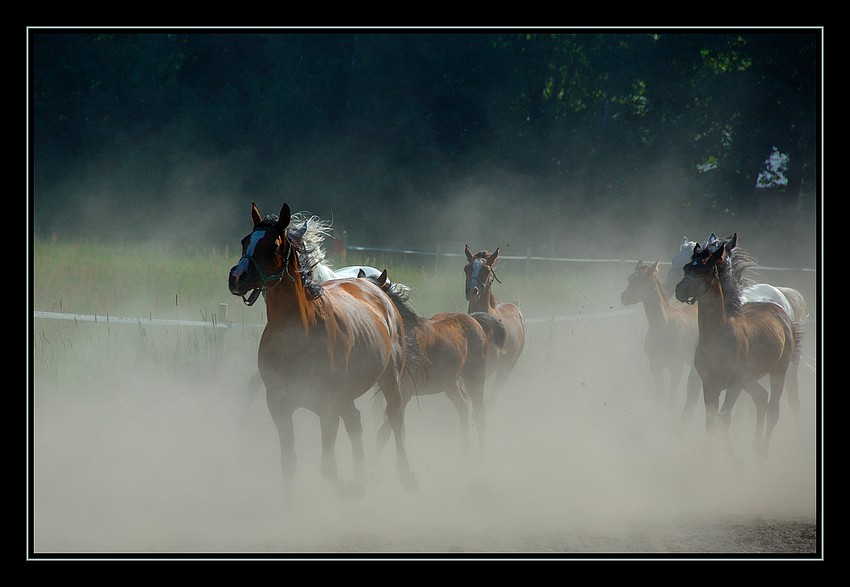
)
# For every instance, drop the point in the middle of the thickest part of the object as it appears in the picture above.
(685, 243)
(655, 265)
(284, 217)
(733, 242)
(718, 254)
(361, 273)
(255, 214)
(382, 279)
(639, 264)
(492, 258)
(469, 255)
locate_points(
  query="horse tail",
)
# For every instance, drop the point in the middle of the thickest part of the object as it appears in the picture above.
(798, 338)
(493, 327)
(416, 364)
(797, 302)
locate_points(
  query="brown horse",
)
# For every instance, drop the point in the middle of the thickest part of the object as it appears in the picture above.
(452, 347)
(671, 336)
(751, 291)
(324, 345)
(738, 342)
(480, 274)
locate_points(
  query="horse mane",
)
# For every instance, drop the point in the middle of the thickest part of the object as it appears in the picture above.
(730, 284)
(741, 260)
(309, 232)
(400, 296)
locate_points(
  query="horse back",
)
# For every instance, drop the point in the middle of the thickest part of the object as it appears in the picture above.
(364, 332)
(770, 335)
(511, 317)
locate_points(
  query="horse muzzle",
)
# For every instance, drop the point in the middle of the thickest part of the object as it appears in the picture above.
(684, 296)
(239, 282)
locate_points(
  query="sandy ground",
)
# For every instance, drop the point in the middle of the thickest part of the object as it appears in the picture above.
(580, 462)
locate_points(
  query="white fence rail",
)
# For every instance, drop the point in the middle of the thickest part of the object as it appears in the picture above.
(221, 320)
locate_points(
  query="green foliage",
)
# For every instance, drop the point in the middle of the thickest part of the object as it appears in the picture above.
(429, 107)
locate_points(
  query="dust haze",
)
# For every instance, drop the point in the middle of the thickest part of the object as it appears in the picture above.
(580, 457)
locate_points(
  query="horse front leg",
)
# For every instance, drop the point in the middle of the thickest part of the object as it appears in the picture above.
(760, 397)
(693, 387)
(281, 413)
(711, 397)
(329, 422)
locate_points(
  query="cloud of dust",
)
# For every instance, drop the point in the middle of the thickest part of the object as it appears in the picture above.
(578, 452)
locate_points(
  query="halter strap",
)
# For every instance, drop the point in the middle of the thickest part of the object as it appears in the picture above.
(266, 277)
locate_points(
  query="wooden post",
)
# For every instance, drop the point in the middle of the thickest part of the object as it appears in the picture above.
(222, 313)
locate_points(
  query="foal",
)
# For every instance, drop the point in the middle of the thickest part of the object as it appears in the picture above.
(671, 336)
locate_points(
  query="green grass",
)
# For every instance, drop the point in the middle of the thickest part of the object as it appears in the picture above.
(163, 281)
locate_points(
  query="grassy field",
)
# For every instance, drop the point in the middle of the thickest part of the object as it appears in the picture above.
(175, 282)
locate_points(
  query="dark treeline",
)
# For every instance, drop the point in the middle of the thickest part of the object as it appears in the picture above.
(371, 121)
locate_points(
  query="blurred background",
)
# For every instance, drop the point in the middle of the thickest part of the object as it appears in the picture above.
(433, 137)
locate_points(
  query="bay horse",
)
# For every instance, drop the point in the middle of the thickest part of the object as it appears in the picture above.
(739, 343)
(324, 345)
(671, 336)
(751, 291)
(452, 348)
(480, 275)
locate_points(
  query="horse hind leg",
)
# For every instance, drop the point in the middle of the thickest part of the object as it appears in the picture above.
(395, 416)
(354, 427)
(777, 384)
(792, 382)
(386, 428)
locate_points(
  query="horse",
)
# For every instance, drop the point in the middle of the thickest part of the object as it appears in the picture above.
(791, 300)
(452, 348)
(679, 260)
(324, 345)
(480, 274)
(739, 343)
(311, 232)
(671, 336)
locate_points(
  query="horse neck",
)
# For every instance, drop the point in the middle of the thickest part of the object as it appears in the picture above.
(656, 305)
(287, 303)
(712, 311)
(487, 304)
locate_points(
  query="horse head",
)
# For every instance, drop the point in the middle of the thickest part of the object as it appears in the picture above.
(479, 273)
(641, 283)
(679, 260)
(701, 273)
(265, 253)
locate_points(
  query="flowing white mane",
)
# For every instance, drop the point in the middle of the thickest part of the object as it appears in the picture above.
(310, 232)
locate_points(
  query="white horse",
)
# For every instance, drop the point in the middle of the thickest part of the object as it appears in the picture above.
(789, 299)
(311, 232)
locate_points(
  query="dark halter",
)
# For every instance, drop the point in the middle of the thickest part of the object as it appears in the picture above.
(473, 279)
(265, 277)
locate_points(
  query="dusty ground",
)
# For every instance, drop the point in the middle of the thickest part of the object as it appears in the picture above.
(580, 462)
